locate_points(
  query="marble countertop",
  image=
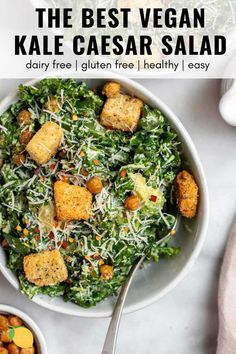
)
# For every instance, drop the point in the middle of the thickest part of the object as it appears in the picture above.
(184, 321)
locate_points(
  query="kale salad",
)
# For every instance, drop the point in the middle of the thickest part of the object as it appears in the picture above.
(125, 176)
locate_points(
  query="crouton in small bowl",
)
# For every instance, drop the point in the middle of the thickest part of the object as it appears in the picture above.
(91, 225)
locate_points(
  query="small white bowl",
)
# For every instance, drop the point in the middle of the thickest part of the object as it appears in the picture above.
(157, 279)
(227, 105)
(29, 323)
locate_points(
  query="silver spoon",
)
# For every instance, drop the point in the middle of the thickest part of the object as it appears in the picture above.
(111, 337)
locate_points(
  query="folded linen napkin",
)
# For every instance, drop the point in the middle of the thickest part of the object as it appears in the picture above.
(227, 299)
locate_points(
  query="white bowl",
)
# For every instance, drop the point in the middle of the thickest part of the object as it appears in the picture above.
(228, 101)
(38, 336)
(154, 280)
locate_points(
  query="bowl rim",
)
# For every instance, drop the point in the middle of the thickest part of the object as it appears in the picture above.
(173, 119)
(39, 338)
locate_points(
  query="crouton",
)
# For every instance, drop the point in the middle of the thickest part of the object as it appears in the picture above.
(45, 268)
(186, 193)
(111, 89)
(45, 143)
(72, 202)
(121, 112)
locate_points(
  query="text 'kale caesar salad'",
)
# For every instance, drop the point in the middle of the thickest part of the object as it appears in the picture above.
(87, 179)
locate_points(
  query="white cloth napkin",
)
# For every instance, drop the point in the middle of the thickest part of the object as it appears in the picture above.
(227, 299)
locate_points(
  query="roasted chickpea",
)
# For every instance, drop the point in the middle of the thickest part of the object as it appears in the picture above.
(123, 173)
(132, 202)
(24, 117)
(74, 117)
(18, 159)
(4, 323)
(96, 162)
(13, 349)
(62, 153)
(5, 336)
(82, 153)
(15, 321)
(27, 351)
(94, 185)
(83, 172)
(4, 243)
(106, 272)
(3, 350)
(52, 105)
(25, 137)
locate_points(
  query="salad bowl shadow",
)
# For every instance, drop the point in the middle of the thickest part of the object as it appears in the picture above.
(155, 279)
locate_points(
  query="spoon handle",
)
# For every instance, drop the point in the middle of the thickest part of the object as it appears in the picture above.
(111, 337)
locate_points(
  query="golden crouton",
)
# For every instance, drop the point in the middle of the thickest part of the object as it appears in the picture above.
(45, 143)
(111, 89)
(121, 112)
(45, 268)
(72, 202)
(186, 193)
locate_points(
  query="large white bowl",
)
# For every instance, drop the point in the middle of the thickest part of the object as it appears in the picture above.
(154, 280)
